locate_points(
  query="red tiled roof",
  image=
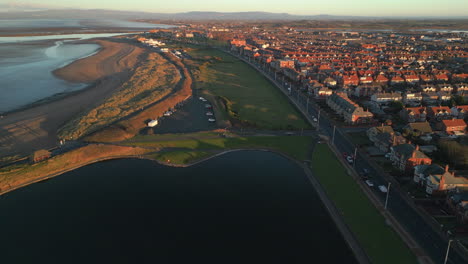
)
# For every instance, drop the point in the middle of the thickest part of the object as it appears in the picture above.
(454, 123)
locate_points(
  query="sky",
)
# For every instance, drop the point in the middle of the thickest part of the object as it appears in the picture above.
(300, 7)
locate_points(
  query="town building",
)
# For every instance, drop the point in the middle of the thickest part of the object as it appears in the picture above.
(349, 110)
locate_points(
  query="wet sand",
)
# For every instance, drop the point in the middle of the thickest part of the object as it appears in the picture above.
(27, 130)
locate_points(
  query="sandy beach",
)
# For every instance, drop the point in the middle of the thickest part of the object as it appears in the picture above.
(27, 130)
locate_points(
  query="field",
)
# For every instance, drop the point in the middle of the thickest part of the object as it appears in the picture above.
(152, 81)
(246, 97)
(202, 144)
(380, 242)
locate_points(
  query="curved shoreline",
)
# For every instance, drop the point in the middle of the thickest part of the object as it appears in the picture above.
(346, 232)
(35, 126)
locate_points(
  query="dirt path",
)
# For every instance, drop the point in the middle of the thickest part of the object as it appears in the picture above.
(34, 128)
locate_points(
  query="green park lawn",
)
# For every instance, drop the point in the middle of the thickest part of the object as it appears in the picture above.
(380, 242)
(200, 145)
(248, 97)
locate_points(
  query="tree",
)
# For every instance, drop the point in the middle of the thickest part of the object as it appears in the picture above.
(454, 152)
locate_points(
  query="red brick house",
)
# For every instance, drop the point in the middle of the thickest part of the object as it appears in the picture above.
(406, 156)
(439, 112)
(453, 125)
(351, 80)
(414, 114)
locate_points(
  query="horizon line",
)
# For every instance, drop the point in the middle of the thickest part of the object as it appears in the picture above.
(235, 12)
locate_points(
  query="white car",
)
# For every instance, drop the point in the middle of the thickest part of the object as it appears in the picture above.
(211, 120)
(314, 119)
(387, 155)
(368, 182)
(350, 159)
(167, 113)
(209, 113)
(383, 188)
(202, 99)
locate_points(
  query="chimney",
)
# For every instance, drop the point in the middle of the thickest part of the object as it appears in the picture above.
(442, 183)
(446, 168)
(417, 147)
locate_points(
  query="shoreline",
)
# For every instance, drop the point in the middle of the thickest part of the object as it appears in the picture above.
(35, 126)
(347, 235)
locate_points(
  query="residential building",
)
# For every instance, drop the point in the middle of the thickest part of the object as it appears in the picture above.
(349, 110)
(441, 183)
(453, 125)
(460, 112)
(414, 114)
(439, 113)
(458, 202)
(421, 128)
(406, 156)
(386, 97)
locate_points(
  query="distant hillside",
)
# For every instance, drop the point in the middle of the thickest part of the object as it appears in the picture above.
(129, 15)
(112, 14)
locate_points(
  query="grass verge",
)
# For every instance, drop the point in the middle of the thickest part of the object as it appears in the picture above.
(380, 242)
(294, 146)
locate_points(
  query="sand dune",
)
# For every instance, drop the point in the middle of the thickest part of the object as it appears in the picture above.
(113, 57)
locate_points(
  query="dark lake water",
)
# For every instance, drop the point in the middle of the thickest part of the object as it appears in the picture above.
(243, 207)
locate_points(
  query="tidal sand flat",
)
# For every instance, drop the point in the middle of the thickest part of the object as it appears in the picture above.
(28, 78)
(34, 128)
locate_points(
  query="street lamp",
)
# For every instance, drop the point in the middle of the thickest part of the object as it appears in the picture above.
(355, 157)
(448, 248)
(333, 137)
(388, 193)
(318, 119)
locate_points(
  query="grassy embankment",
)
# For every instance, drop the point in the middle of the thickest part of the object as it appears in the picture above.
(380, 242)
(131, 126)
(173, 149)
(19, 175)
(239, 93)
(187, 148)
(153, 80)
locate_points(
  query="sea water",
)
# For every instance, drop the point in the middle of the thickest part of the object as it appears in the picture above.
(26, 71)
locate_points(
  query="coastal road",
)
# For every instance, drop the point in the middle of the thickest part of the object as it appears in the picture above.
(399, 206)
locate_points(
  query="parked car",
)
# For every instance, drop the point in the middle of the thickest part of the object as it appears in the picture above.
(209, 113)
(211, 120)
(387, 155)
(202, 99)
(383, 188)
(314, 119)
(345, 155)
(371, 184)
(350, 159)
(365, 171)
(208, 106)
(289, 133)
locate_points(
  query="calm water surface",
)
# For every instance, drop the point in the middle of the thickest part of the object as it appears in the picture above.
(26, 71)
(243, 207)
